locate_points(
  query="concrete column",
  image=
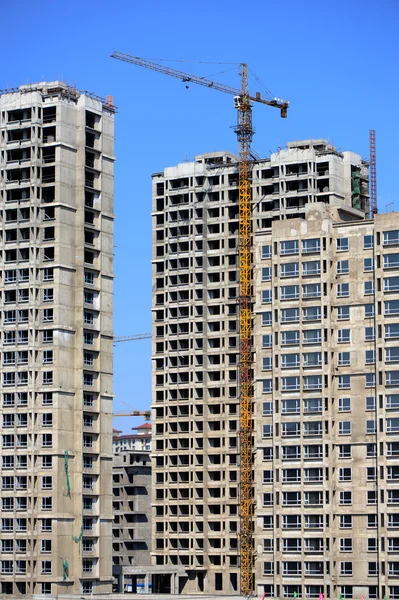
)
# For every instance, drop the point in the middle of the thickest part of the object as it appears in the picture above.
(173, 583)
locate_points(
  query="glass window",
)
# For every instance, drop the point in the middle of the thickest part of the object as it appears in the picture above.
(345, 451)
(266, 341)
(392, 331)
(289, 270)
(370, 380)
(372, 544)
(267, 386)
(289, 292)
(369, 334)
(311, 246)
(391, 307)
(267, 408)
(368, 242)
(290, 315)
(370, 357)
(368, 264)
(289, 247)
(312, 428)
(312, 359)
(345, 474)
(344, 336)
(311, 268)
(371, 426)
(266, 252)
(290, 384)
(345, 521)
(370, 403)
(342, 267)
(267, 476)
(268, 568)
(290, 429)
(290, 338)
(266, 296)
(342, 290)
(266, 273)
(268, 522)
(368, 288)
(391, 261)
(311, 290)
(266, 318)
(344, 359)
(345, 568)
(312, 405)
(311, 313)
(343, 313)
(291, 452)
(313, 452)
(391, 284)
(266, 363)
(342, 244)
(392, 425)
(391, 238)
(391, 354)
(290, 406)
(368, 311)
(345, 544)
(344, 404)
(290, 361)
(312, 336)
(392, 401)
(267, 430)
(344, 427)
(291, 521)
(392, 378)
(312, 382)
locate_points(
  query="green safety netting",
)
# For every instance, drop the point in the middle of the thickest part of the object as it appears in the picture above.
(78, 538)
(66, 466)
(65, 569)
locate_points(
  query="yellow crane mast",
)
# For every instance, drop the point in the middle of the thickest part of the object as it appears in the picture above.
(243, 103)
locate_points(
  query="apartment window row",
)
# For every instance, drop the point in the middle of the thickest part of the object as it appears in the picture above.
(22, 378)
(21, 504)
(287, 247)
(315, 451)
(21, 419)
(11, 399)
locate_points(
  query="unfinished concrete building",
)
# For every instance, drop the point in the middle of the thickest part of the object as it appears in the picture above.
(327, 406)
(195, 385)
(56, 203)
(131, 476)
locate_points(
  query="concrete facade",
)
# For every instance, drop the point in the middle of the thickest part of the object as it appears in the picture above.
(131, 475)
(326, 406)
(195, 363)
(56, 198)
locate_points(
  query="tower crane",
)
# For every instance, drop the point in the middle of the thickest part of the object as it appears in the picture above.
(243, 102)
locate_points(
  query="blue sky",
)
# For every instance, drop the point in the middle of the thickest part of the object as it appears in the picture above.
(335, 61)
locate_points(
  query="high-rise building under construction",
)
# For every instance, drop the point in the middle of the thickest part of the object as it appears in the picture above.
(326, 392)
(56, 251)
